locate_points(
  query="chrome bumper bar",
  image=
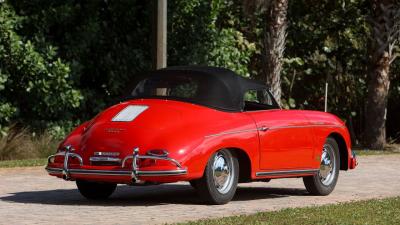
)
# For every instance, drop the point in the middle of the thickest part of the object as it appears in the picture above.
(135, 168)
(65, 171)
(57, 171)
(134, 174)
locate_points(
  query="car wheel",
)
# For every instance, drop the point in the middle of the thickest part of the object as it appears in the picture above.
(325, 180)
(219, 182)
(95, 190)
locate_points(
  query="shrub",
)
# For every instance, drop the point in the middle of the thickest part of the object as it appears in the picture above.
(34, 84)
(21, 144)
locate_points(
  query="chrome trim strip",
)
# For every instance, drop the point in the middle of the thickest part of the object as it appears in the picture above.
(230, 132)
(104, 159)
(99, 172)
(304, 126)
(163, 173)
(263, 128)
(54, 170)
(286, 172)
(58, 171)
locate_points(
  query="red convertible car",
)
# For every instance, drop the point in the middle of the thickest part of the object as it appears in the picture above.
(208, 126)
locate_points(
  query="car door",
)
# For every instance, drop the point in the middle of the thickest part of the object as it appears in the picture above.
(286, 138)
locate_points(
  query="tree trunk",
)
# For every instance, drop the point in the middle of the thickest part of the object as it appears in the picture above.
(378, 88)
(274, 45)
(380, 57)
(274, 42)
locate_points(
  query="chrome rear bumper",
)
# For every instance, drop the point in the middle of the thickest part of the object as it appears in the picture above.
(59, 171)
(134, 174)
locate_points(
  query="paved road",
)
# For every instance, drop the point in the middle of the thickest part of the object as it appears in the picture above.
(29, 196)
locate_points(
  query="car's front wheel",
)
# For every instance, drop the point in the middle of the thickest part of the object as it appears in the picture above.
(325, 180)
(219, 182)
(95, 190)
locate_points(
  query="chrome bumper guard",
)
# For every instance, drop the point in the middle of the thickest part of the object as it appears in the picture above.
(135, 173)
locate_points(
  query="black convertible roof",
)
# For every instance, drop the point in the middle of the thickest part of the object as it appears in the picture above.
(219, 87)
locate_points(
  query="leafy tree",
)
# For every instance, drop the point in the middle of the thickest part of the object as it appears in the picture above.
(105, 44)
(208, 33)
(35, 86)
(327, 42)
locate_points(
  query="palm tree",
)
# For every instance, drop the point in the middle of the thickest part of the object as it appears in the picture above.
(385, 26)
(274, 39)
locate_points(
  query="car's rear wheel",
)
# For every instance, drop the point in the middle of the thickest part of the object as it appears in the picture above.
(325, 180)
(219, 182)
(95, 190)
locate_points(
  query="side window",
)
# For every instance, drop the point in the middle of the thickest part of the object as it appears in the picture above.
(258, 100)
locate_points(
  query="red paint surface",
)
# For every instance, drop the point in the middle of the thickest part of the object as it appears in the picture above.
(192, 133)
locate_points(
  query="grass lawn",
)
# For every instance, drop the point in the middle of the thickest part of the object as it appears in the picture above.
(23, 163)
(375, 152)
(389, 149)
(386, 211)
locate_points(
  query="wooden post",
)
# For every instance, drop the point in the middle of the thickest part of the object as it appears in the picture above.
(160, 34)
(326, 96)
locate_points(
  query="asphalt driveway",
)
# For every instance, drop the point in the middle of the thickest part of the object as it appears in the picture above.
(29, 196)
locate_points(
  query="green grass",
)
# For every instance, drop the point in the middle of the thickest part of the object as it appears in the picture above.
(375, 152)
(22, 163)
(386, 211)
(389, 149)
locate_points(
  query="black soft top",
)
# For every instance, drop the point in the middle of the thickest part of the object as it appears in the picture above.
(216, 87)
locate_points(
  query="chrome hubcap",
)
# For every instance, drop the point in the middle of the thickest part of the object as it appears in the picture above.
(328, 165)
(222, 172)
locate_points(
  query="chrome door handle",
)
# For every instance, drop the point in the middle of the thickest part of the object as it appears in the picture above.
(263, 128)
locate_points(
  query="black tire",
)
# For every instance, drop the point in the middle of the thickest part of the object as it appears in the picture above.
(318, 184)
(206, 186)
(95, 190)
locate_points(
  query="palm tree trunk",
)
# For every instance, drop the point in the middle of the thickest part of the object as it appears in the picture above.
(274, 45)
(384, 35)
(274, 42)
(378, 88)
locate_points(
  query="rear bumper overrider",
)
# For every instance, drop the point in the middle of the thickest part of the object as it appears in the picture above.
(134, 174)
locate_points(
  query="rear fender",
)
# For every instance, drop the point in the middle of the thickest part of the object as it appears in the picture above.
(245, 142)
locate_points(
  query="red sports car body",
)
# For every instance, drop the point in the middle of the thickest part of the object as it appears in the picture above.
(208, 126)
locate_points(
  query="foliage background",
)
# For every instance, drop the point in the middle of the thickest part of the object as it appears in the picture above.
(61, 62)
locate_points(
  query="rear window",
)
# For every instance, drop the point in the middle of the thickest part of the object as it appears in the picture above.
(183, 87)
